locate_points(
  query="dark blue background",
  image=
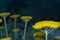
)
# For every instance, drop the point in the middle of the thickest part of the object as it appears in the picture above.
(39, 9)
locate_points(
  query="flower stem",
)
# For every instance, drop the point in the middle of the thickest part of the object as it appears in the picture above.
(17, 36)
(50, 31)
(25, 30)
(46, 34)
(15, 29)
(1, 33)
(5, 26)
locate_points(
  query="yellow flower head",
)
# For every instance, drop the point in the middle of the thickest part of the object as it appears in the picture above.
(5, 39)
(15, 16)
(4, 14)
(38, 34)
(50, 24)
(58, 37)
(15, 30)
(26, 18)
(59, 22)
(1, 27)
(1, 20)
(37, 38)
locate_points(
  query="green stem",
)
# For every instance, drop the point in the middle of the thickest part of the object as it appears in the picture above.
(50, 31)
(17, 36)
(15, 29)
(46, 32)
(15, 23)
(5, 26)
(25, 30)
(1, 34)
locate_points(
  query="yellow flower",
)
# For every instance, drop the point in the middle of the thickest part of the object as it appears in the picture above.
(54, 25)
(5, 39)
(1, 27)
(1, 20)
(15, 30)
(59, 22)
(38, 34)
(4, 14)
(15, 16)
(37, 38)
(26, 18)
(50, 24)
(58, 37)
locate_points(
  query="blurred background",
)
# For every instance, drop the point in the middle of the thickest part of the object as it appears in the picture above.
(38, 9)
